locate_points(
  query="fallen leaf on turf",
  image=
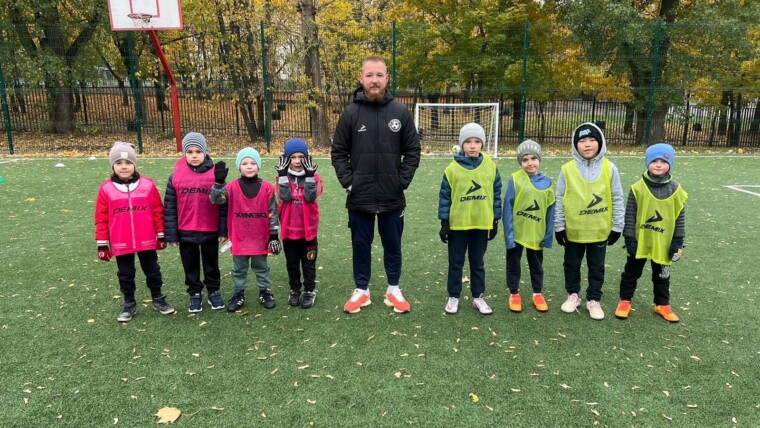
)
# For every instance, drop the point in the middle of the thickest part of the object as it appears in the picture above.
(311, 401)
(667, 394)
(167, 415)
(115, 421)
(566, 386)
(91, 321)
(217, 408)
(474, 398)
(514, 389)
(691, 406)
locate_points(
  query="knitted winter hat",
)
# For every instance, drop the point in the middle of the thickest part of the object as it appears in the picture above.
(528, 147)
(296, 145)
(587, 130)
(248, 152)
(471, 130)
(122, 150)
(194, 139)
(662, 151)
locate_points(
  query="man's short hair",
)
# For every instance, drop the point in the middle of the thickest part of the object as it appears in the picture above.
(374, 58)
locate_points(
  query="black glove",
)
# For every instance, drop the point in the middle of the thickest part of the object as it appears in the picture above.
(308, 166)
(613, 237)
(494, 231)
(631, 246)
(274, 244)
(676, 247)
(444, 232)
(282, 166)
(220, 172)
(561, 237)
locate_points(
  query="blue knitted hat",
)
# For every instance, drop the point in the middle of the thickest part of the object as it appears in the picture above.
(248, 152)
(194, 139)
(660, 151)
(296, 145)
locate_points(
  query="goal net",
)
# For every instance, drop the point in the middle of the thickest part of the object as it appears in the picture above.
(438, 125)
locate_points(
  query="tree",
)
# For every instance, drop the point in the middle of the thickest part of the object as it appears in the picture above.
(56, 48)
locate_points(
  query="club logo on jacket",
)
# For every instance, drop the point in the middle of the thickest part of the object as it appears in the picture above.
(362, 129)
(395, 125)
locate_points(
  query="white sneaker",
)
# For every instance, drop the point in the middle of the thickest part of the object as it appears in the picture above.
(481, 306)
(571, 304)
(452, 306)
(595, 310)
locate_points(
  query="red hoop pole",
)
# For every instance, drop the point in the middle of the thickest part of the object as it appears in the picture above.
(172, 84)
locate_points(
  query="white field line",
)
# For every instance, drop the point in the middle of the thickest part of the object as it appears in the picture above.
(9, 161)
(741, 188)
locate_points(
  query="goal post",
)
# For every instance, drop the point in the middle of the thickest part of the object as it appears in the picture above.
(438, 125)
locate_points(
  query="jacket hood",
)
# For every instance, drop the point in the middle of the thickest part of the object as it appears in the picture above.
(602, 148)
(361, 98)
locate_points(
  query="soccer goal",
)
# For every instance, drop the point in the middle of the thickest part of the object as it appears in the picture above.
(438, 125)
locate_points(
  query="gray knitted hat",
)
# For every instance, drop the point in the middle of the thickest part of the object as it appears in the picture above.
(528, 147)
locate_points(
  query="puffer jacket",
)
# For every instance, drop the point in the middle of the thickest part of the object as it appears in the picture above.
(376, 151)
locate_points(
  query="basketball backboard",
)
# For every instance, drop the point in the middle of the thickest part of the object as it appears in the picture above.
(136, 15)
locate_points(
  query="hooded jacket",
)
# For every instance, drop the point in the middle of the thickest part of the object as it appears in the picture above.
(589, 170)
(375, 151)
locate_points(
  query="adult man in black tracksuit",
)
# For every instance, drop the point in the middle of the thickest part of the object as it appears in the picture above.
(375, 152)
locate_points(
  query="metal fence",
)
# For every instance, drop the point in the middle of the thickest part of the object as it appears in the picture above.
(277, 109)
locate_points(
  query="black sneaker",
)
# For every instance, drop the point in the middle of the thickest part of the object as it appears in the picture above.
(128, 310)
(161, 305)
(309, 297)
(236, 302)
(295, 298)
(266, 298)
(216, 301)
(196, 303)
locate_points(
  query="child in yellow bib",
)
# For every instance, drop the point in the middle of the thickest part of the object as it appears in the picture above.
(588, 216)
(469, 207)
(655, 226)
(528, 217)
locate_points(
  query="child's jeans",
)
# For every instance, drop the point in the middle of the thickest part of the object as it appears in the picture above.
(259, 266)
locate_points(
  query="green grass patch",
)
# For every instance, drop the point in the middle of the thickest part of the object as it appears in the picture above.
(67, 362)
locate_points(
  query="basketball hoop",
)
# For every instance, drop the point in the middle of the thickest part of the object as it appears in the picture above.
(140, 18)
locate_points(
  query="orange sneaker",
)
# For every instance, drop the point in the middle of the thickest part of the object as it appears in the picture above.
(357, 301)
(515, 303)
(540, 303)
(666, 312)
(623, 308)
(396, 299)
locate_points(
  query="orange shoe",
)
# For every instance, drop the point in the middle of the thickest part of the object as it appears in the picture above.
(357, 301)
(623, 308)
(666, 312)
(396, 299)
(540, 303)
(515, 303)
